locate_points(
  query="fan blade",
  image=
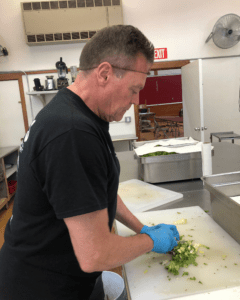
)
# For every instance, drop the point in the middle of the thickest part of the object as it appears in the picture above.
(209, 37)
(226, 31)
(223, 40)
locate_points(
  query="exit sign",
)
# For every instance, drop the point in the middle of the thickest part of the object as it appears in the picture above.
(160, 53)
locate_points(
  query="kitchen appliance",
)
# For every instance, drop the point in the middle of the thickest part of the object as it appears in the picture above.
(218, 267)
(74, 72)
(49, 83)
(38, 86)
(3, 51)
(62, 81)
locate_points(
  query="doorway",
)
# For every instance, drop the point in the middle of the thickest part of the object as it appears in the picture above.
(149, 124)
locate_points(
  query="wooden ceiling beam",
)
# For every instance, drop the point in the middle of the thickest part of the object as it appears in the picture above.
(168, 65)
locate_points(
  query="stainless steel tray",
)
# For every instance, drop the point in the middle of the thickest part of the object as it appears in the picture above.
(225, 211)
(167, 168)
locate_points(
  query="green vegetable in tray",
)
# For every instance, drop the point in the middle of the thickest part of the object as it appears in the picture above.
(157, 153)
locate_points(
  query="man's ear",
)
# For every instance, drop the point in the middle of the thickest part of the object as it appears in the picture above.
(104, 71)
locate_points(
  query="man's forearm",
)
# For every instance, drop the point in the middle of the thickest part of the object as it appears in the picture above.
(124, 216)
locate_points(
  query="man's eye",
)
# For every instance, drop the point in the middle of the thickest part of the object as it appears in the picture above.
(134, 92)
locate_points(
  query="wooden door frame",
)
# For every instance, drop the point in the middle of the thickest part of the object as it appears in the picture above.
(165, 65)
(18, 77)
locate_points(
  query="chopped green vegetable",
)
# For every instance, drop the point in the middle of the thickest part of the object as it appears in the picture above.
(145, 271)
(180, 222)
(205, 264)
(192, 278)
(157, 153)
(185, 274)
(206, 211)
(201, 245)
(185, 254)
(235, 264)
(200, 282)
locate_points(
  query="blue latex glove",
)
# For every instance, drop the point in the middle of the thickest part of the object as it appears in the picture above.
(162, 236)
(172, 227)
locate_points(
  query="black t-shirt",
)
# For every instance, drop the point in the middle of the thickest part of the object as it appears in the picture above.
(67, 167)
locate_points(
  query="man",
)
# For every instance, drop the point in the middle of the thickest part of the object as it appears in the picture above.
(59, 238)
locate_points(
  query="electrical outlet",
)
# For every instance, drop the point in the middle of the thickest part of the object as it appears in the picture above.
(127, 119)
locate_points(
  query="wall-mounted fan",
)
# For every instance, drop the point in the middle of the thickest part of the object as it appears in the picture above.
(226, 31)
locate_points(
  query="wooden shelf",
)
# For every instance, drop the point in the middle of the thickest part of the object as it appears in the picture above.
(8, 155)
(36, 93)
(3, 202)
(11, 171)
(41, 95)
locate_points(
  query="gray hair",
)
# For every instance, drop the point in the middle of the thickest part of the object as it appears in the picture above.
(118, 45)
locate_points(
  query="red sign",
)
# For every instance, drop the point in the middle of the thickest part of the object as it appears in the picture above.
(160, 53)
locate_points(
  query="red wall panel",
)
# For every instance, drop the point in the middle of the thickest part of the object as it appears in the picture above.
(161, 89)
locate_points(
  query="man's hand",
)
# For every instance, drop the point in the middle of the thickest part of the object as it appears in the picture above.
(164, 237)
(172, 227)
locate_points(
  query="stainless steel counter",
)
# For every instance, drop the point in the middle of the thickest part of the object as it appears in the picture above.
(226, 159)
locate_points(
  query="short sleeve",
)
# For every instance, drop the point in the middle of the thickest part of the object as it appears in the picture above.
(73, 173)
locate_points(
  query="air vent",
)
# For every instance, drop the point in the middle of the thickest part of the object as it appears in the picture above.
(68, 4)
(91, 33)
(68, 21)
(45, 5)
(80, 3)
(107, 2)
(40, 38)
(31, 38)
(27, 6)
(63, 4)
(115, 2)
(58, 36)
(84, 35)
(67, 36)
(75, 35)
(36, 5)
(72, 4)
(98, 3)
(54, 4)
(49, 37)
(89, 3)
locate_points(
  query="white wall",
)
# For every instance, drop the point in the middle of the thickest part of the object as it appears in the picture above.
(11, 117)
(180, 26)
(221, 78)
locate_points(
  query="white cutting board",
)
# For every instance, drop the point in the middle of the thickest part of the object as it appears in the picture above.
(154, 284)
(140, 196)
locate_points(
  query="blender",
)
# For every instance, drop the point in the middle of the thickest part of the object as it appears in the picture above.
(62, 81)
(74, 72)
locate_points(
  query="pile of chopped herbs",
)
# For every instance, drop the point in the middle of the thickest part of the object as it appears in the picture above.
(157, 153)
(184, 254)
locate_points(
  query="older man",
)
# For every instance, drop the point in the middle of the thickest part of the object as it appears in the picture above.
(59, 238)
